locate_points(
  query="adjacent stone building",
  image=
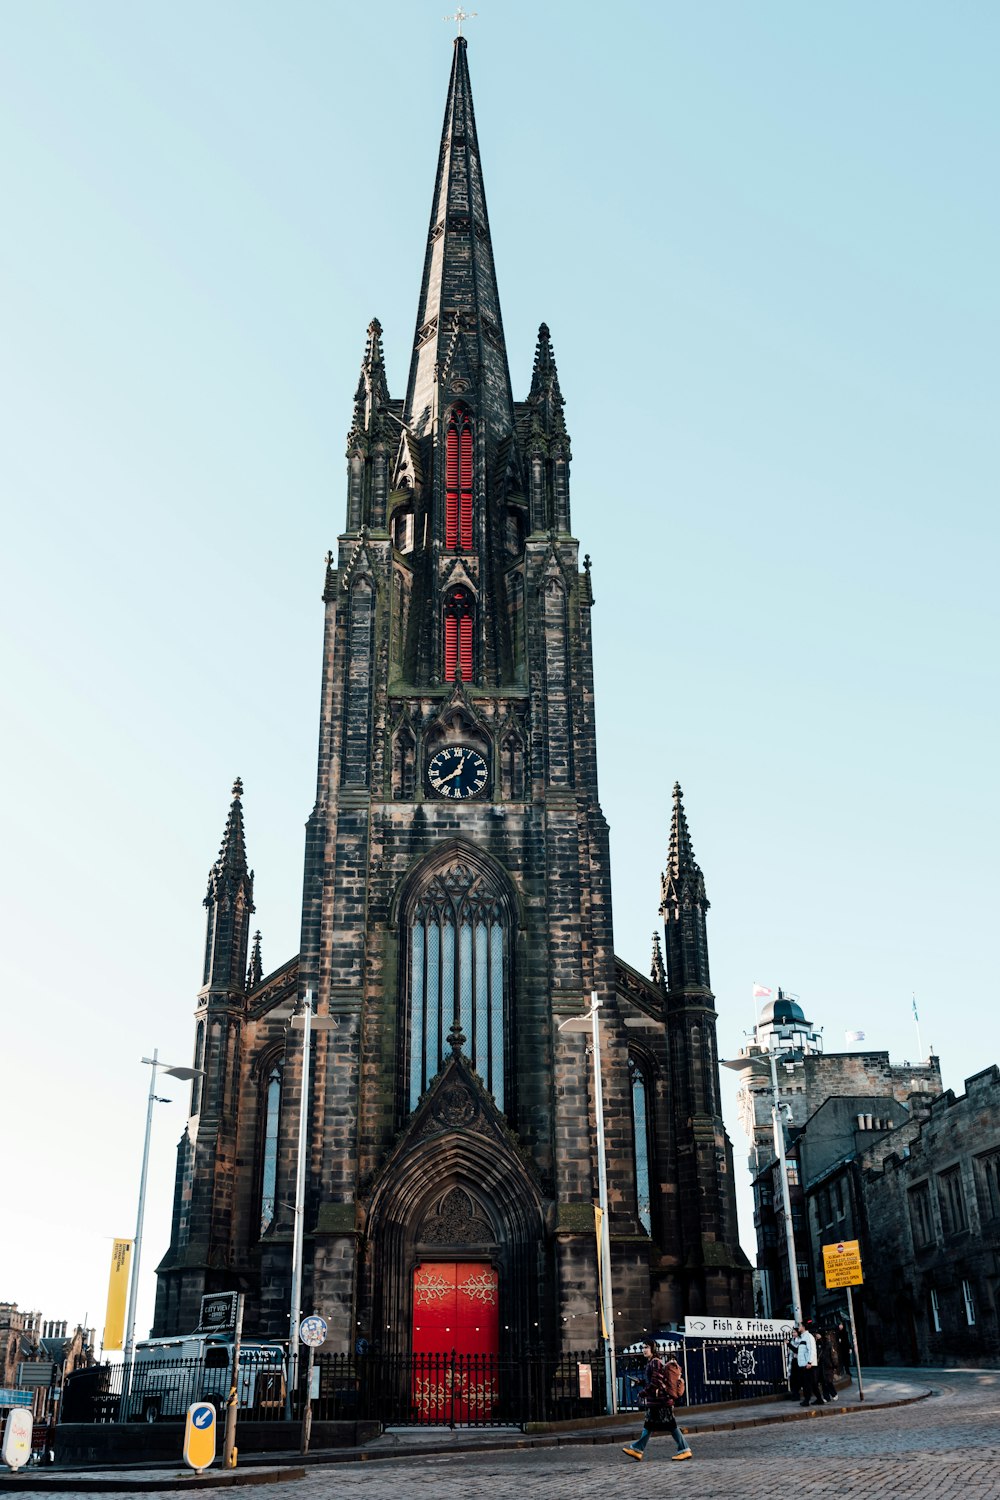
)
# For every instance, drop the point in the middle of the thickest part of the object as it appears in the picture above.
(834, 1108)
(932, 1234)
(50, 1347)
(456, 908)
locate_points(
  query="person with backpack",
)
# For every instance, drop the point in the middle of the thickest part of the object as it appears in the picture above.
(662, 1384)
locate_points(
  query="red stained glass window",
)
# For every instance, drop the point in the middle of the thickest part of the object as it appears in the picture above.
(459, 612)
(458, 481)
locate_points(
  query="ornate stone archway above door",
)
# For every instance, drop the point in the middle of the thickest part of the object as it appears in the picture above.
(456, 1220)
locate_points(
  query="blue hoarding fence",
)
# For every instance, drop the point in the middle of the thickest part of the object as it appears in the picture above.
(715, 1369)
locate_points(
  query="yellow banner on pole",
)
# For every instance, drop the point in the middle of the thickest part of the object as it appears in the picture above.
(598, 1217)
(114, 1317)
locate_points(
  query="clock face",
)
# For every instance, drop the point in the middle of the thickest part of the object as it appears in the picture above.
(457, 772)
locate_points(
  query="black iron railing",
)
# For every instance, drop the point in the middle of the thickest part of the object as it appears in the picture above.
(433, 1390)
(162, 1388)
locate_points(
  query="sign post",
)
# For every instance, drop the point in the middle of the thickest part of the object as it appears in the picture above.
(842, 1268)
(312, 1332)
(229, 1438)
(199, 1436)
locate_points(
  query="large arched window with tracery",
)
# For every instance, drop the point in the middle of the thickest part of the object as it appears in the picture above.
(458, 481)
(459, 614)
(270, 1112)
(642, 1135)
(457, 936)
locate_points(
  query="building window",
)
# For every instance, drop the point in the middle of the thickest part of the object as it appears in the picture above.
(935, 1311)
(459, 613)
(458, 974)
(458, 481)
(920, 1215)
(792, 1168)
(403, 762)
(970, 1303)
(641, 1135)
(271, 1110)
(198, 1081)
(402, 529)
(988, 1182)
(512, 767)
(952, 1201)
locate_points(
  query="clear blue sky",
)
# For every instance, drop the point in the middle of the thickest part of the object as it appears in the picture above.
(765, 237)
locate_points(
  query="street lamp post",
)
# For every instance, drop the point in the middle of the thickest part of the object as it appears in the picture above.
(589, 1022)
(750, 1066)
(779, 1146)
(133, 1290)
(301, 1018)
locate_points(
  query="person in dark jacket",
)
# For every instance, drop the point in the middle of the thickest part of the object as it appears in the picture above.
(661, 1385)
(827, 1366)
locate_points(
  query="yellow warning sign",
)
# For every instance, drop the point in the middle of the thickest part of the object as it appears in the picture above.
(842, 1264)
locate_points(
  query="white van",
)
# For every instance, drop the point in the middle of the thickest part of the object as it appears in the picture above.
(171, 1373)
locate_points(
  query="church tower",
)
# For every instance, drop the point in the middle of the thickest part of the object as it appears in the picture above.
(457, 900)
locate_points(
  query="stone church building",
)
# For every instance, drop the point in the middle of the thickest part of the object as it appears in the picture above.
(456, 909)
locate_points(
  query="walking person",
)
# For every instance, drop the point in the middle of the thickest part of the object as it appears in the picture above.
(662, 1384)
(805, 1357)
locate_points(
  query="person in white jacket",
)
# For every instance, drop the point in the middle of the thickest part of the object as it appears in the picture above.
(805, 1357)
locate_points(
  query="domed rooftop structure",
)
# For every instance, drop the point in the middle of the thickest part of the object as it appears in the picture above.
(782, 1012)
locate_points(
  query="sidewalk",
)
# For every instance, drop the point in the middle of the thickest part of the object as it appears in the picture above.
(880, 1392)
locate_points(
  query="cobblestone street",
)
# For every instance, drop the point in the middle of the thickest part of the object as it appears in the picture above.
(948, 1445)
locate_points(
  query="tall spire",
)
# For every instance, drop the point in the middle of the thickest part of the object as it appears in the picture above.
(232, 860)
(459, 343)
(229, 900)
(683, 905)
(683, 880)
(372, 439)
(545, 398)
(372, 394)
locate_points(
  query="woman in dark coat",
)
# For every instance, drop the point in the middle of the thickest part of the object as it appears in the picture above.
(827, 1366)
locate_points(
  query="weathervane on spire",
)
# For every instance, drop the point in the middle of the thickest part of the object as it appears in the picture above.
(460, 16)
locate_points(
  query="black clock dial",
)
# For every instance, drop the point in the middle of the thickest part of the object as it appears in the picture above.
(457, 772)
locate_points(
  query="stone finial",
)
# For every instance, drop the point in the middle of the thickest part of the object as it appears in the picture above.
(456, 1037)
(255, 969)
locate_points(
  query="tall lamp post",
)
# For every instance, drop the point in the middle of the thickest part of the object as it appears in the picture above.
(589, 1022)
(786, 1199)
(301, 1018)
(174, 1072)
(747, 1065)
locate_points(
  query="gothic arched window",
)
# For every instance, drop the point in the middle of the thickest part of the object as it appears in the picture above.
(457, 934)
(458, 481)
(269, 1114)
(459, 614)
(198, 1081)
(642, 1136)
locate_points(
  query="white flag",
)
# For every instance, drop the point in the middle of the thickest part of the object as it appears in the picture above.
(854, 1036)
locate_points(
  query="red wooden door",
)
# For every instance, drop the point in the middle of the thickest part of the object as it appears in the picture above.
(456, 1339)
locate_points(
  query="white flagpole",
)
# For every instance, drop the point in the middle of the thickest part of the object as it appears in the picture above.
(916, 1022)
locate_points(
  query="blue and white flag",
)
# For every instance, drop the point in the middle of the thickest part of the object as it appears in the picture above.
(854, 1036)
